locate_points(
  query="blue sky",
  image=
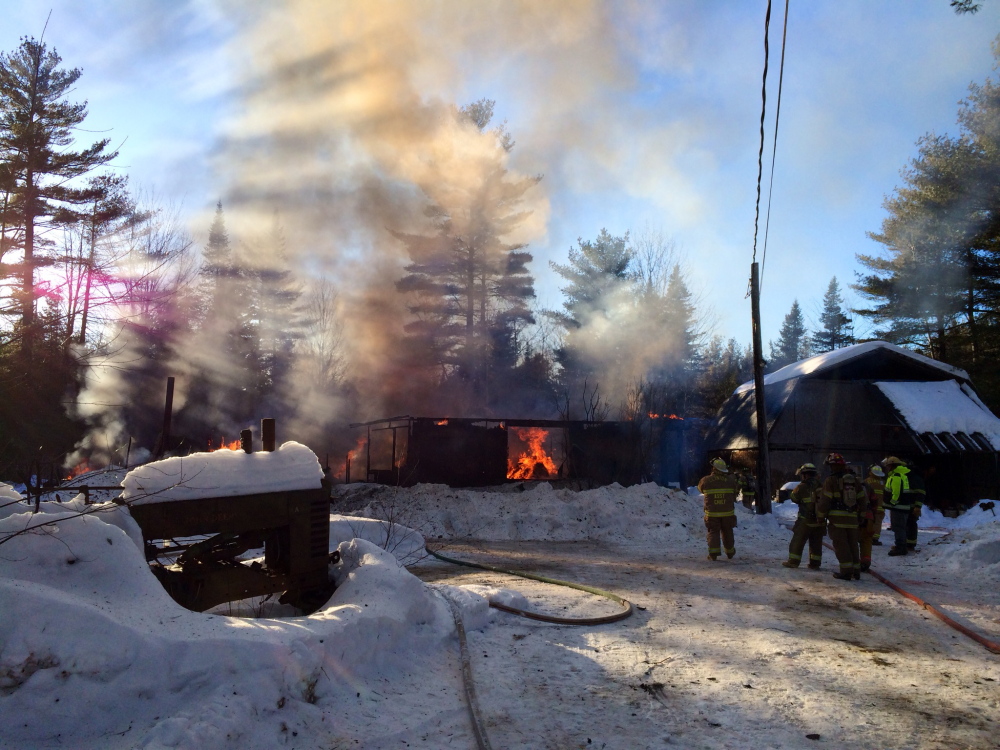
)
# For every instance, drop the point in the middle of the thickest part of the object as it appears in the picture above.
(669, 141)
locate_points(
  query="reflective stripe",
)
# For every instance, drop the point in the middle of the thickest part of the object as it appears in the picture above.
(719, 514)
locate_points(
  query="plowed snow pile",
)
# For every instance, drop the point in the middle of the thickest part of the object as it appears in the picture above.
(642, 513)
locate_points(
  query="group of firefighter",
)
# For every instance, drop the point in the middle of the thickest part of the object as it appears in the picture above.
(849, 508)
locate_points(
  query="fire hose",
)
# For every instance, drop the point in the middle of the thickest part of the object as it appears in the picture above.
(991, 646)
(626, 612)
(478, 728)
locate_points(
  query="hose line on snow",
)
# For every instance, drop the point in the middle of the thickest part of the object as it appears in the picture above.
(471, 702)
(992, 646)
(626, 612)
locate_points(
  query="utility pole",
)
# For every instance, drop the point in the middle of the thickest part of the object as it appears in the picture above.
(763, 500)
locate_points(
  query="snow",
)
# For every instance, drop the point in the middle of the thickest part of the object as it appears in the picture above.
(223, 473)
(827, 360)
(94, 654)
(406, 544)
(8, 493)
(941, 407)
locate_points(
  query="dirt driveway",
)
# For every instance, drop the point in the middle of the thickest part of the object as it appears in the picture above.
(730, 654)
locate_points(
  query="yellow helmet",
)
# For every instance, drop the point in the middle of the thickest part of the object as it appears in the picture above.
(804, 468)
(876, 471)
(893, 461)
(719, 465)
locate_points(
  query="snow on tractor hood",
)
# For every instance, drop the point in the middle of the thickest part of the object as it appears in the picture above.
(223, 473)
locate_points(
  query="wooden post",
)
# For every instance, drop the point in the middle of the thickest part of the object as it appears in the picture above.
(368, 458)
(168, 411)
(267, 437)
(347, 470)
(763, 500)
(246, 440)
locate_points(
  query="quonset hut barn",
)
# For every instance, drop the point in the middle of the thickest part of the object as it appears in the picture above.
(869, 401)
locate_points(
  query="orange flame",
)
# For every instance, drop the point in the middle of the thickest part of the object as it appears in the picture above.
(224, 446)
(81, 468)
(534, 463)
(352, 456)
(653, 415)
(442, 423)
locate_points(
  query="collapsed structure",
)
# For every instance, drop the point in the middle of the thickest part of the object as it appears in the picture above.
(868, 401)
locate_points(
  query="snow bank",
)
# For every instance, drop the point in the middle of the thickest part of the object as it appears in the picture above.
(224, 473)
(641, 513)
(94, 654)
(973, 517)
(968, 549)
(406, 544)
(941, 407)
(8, 493)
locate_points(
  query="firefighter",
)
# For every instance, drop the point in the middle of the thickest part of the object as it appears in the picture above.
(904, 496)
(842, 503)
(719, 489)
(876, 490)
(806, 528)
(871, 527)
(748, 489)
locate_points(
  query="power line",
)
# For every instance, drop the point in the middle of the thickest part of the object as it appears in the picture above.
(774, 147)
(763, 112)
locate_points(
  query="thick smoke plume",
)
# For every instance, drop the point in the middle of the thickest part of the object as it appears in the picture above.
(347, 124)
(350, 126)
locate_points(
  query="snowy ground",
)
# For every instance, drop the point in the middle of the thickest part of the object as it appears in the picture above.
(740, 653)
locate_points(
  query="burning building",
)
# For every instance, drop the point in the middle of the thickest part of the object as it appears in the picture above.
(481, 452)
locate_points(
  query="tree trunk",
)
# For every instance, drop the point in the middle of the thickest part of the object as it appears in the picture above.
(90, 276)
(28, 289)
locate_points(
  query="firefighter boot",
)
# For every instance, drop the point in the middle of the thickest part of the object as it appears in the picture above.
(814, 565)
(896, 551)
(790, 564)
(713, 557)
(842, 576)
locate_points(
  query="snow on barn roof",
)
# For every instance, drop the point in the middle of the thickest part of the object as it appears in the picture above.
(829, 360)
(942, 406)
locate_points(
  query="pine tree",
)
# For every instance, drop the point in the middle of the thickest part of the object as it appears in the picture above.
(468, 287)
(598, 276)
(681, 326)
(836, 330)
(37, 128)
(726, 366)
(110, 207)
(793, 340)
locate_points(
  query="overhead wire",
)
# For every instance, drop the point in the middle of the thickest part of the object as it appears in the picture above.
(774, 147)
(763, 113)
